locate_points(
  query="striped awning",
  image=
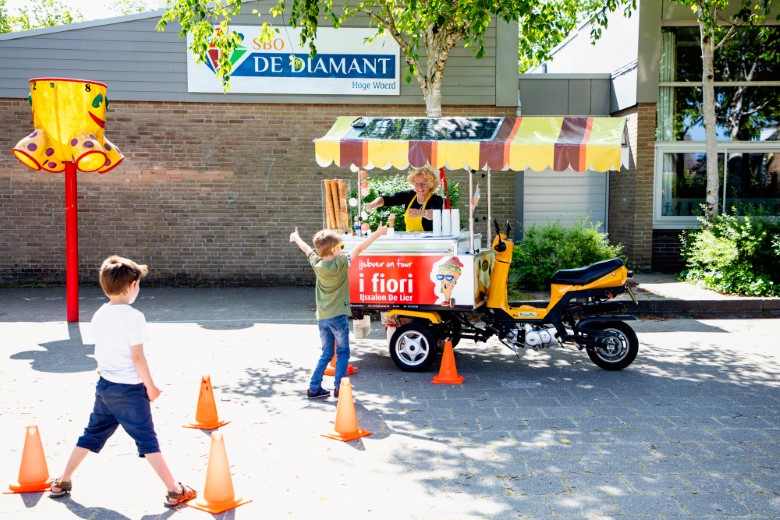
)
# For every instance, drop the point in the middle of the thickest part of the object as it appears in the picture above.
(509, 143)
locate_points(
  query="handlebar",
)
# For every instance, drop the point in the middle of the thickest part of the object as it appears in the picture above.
(500, 245)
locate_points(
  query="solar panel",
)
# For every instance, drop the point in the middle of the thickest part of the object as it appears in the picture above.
(427, 129)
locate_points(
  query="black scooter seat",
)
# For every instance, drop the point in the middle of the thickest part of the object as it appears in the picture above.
(586, 275)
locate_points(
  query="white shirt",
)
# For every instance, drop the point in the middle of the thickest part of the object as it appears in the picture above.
(115, 329)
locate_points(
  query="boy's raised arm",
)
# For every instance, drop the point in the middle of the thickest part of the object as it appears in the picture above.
(295, 237)
(381, 230)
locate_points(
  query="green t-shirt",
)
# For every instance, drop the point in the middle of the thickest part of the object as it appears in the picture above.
(332, 292)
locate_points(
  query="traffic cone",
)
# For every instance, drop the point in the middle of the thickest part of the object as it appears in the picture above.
(346, 427)
(33, 473)
(206, 414)
(448, 374)
(331, 370)
(218, 495)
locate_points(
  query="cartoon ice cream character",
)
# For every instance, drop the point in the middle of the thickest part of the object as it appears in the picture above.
(447, 275)
(69, 117)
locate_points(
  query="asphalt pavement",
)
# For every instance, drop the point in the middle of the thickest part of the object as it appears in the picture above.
(690, 430)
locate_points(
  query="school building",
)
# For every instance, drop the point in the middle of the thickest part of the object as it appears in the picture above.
(213, 183)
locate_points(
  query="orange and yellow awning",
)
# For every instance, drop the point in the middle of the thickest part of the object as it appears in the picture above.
(518, 143)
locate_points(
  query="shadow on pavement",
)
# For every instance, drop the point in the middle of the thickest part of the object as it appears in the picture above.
(63, 356)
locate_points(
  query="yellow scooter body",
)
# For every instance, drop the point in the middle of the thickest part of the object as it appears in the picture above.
(497, 296)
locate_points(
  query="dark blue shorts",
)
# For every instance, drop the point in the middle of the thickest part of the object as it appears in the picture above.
(115, 404)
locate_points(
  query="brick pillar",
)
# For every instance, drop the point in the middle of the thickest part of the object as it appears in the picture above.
(631, 190)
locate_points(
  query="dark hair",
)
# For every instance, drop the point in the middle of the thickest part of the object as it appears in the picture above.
(117, 273)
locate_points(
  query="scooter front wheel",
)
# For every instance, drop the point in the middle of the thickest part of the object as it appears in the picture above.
(412, 347)
(616, 349)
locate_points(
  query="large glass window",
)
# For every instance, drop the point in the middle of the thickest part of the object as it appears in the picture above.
(752, 179)
(742, 113)
(748, 176)
(684, 183)
(749, 55)
(747, 86)
(747, 113)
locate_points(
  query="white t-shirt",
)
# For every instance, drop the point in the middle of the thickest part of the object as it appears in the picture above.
(116, 328)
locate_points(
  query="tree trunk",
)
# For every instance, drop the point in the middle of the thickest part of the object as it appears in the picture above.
(708, 112)
(433, 97)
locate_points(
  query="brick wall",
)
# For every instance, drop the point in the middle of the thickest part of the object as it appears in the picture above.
(208, 193)
(666, 251)
(631, 190)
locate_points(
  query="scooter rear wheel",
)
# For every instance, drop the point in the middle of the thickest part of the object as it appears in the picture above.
(412, 347)
(618, 349)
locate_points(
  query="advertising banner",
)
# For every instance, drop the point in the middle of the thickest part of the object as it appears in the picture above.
(344, 64)
(415, 281)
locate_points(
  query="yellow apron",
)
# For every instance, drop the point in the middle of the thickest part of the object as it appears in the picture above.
(415, 224)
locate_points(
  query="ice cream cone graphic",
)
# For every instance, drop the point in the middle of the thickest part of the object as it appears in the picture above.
(447, 275)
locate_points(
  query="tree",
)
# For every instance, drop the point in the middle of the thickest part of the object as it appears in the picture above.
(44, 13)
(122, 7)
(716, 30)
(432, 27)
(5, 23)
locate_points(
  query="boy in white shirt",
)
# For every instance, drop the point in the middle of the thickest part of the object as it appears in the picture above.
(125, 388)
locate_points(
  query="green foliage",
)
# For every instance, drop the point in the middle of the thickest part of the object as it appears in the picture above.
(543, 25)
(432, 28)
(549, 248)
(44, 13)
(733, 254)
(5, 23)
(388, 184)
(124, 7)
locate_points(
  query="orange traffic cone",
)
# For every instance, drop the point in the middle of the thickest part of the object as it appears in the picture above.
(218, 495)
(206, 414)
(33, 473)
(346, 427)
(331, 370)
(448, 374)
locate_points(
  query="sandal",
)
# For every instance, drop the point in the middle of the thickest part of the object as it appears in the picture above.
(64, 488)
(173, 499)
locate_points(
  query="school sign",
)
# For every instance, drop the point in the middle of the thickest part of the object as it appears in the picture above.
(345, 64)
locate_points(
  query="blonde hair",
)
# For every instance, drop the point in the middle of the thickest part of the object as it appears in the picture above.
(430, 176)
(117, 273)
(324, 241)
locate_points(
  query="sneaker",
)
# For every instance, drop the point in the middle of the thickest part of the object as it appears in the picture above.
(316, 394)
(336, 393)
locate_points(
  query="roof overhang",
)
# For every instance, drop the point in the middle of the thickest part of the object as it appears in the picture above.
(487, 143)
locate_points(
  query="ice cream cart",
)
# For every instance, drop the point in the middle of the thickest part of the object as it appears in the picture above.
(437, 282)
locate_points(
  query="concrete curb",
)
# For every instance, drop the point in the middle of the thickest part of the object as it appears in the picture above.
(731, 308)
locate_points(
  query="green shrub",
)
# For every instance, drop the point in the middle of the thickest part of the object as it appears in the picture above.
(734, 254)
(549, 248)
(391, 184)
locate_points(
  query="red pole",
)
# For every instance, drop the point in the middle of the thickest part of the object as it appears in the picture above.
(71, 242)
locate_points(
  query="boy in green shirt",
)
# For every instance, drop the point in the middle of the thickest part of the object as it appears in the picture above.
(332, 295)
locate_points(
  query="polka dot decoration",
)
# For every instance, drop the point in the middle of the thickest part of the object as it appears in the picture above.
(69, 117)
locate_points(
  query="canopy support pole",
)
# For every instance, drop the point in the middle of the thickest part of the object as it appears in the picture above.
(489, 243)
(471, 213)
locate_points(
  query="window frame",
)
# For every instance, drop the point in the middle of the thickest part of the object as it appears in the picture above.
(723, 148)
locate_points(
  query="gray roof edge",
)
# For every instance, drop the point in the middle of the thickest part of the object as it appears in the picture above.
(566, 75)
(83, 25)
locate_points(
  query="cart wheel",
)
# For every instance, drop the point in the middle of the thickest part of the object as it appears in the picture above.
(412, 347)
(617, 349)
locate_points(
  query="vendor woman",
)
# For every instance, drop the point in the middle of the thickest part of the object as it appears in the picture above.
(420, 201)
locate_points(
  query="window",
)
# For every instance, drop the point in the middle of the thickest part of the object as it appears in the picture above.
(748, 174)
(747, 86)
(747, 93)
(752, 179)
